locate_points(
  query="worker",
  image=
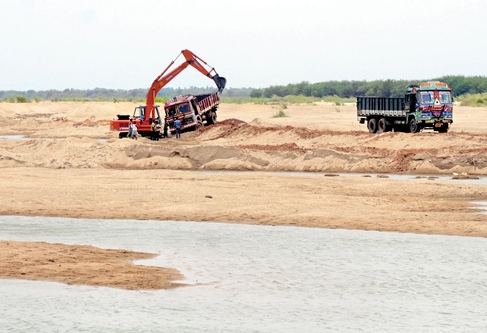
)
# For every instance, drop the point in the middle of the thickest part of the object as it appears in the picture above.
(154, 135)
(158, 129)
(129, 135)
(165, 134)
(134, 130)
(177, 127)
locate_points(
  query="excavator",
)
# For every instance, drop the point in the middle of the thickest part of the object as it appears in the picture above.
(145, 115)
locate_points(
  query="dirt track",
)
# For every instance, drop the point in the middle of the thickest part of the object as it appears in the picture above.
(70, 160)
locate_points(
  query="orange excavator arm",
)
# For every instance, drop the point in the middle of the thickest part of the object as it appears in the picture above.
(163, 78)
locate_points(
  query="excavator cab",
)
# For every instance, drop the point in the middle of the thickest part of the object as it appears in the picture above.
(139, 114)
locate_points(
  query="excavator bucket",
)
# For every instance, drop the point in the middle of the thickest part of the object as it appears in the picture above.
(220, 82)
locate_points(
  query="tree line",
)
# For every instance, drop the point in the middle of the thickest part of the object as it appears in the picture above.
(462, 85)
(103, 94)
(384, 88)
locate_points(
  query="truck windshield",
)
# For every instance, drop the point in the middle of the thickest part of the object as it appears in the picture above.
(176, 109)
(427, 97)
(445, 97)
(184, 107)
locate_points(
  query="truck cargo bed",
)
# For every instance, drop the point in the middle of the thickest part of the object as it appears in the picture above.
(381, 103)
(391, 106)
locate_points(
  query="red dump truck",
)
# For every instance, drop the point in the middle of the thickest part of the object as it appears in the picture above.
(194, 111)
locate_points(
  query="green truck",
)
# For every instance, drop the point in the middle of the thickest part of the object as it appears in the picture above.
(428, 105)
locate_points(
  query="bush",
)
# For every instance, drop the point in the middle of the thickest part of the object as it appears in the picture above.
(22, 99)
(280, 114)
(473, 99)
(333, 99)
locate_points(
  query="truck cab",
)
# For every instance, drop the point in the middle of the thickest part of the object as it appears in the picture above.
(184, 108)
(431, 103)
(192, 110)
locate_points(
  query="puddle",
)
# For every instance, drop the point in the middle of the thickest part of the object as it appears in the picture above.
(482, 180)
(482, 205)
(13, 137)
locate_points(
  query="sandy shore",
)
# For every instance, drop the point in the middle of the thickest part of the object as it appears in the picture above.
(86, 265)
(70, 165)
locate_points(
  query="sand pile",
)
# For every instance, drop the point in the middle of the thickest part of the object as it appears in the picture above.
(234, 144)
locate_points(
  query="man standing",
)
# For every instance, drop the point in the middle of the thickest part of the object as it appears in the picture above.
(134, 130)
(177, 126)
(165, 134)
(154, 133)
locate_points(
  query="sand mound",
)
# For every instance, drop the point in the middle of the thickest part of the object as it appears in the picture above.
(76, 135)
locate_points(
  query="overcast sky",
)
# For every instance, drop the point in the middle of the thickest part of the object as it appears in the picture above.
(125, 44)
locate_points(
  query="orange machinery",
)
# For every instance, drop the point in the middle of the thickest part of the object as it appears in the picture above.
(144, 115)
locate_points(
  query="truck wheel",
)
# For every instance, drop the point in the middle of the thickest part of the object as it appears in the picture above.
(382, 126)
(443, 128)
(211, 118)
(122, 135)
(413, 126)
(372, 125)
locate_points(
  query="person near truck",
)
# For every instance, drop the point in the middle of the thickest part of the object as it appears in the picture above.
(164, 133)
(155, 128)
(158, 129)
(177, 126)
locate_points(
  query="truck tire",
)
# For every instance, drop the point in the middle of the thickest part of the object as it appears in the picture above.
(413, 126)
(443, 128)
(211, 118)
(122, 135)
(372, 125)
(382, 126)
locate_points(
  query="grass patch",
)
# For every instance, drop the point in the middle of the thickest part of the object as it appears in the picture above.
(286, 100)
(280, 114)
(473, 99)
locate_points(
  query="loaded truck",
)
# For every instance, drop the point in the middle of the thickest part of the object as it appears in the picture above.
(193, 110)
(427, 105)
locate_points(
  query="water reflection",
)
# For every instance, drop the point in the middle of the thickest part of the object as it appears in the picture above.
(258, 279)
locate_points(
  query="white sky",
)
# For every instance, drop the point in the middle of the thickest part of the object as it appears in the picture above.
(125, 44)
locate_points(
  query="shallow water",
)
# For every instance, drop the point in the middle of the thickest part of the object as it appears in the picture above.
(258, 279)
(13, 137)
(482, 180)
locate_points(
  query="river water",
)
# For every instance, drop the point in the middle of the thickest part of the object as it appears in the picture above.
(248, 278)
